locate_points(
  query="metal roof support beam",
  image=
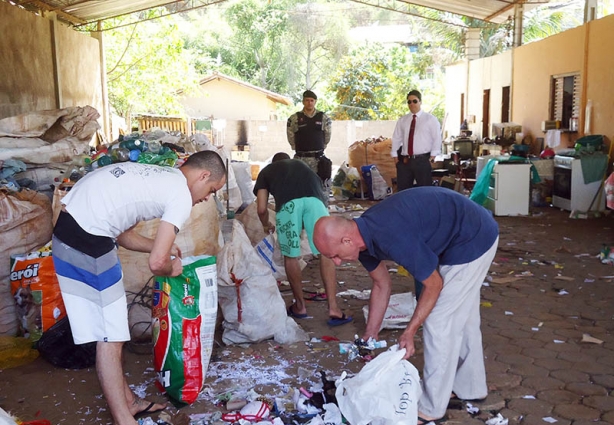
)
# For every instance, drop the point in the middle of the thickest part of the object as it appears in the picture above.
(106, 116)
(45, 8)
(55, 57)
(404, 11)
(518, 17)
(590, 10)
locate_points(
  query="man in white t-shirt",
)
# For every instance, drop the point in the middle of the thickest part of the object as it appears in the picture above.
(99, 213)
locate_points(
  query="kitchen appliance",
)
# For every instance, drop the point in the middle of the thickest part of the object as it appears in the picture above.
(569, 191)
(509, 189)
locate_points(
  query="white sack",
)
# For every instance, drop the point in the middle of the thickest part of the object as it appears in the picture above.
(52, 125)
(398, 313)
(25, 225)
(385, 392)
(231, 189)
(63, 150)
(243, 175)
(255, 233)
(263, 310)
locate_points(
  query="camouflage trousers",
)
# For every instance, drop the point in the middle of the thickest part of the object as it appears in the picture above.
(312, 162)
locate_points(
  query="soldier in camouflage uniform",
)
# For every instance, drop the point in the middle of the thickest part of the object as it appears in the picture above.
(308, 133)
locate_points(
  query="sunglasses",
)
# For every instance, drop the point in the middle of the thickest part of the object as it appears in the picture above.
(412, 101)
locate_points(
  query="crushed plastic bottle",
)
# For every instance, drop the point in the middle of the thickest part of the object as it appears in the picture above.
(154, 146)
(120, 155)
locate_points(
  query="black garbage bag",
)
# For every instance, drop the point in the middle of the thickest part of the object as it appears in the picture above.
(325, 168)
(56, 345)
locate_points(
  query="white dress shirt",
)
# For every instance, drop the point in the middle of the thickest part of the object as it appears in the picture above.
(427, 137)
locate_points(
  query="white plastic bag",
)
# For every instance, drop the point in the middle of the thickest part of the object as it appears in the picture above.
(379, 187)
(385, 392)
(398, 313)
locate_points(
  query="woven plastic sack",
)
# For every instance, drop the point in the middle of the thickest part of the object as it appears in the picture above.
(398, 313)
(184, 314)
(35, 288)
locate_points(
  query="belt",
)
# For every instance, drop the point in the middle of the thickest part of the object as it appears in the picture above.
(422, 155)
(310, 154)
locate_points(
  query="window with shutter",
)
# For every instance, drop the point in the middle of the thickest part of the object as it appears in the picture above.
(565, 98)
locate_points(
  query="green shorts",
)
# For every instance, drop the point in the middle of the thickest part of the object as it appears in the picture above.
(295, 216)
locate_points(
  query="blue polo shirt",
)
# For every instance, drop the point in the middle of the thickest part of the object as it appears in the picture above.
(424, 227)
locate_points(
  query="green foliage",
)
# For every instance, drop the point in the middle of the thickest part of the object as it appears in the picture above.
(146, 65)
(316, 41)
(371, 83)
(258, 27)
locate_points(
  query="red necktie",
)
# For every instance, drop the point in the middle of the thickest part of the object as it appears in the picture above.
(410, 140)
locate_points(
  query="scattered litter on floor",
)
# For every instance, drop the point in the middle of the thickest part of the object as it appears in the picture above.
(606, 256)
(549, 419)
(529, 397)
(509, 313)
(472, 410)
(590, 339)
(558, 341)
(497, 420)
(563, 292)
(365, 294)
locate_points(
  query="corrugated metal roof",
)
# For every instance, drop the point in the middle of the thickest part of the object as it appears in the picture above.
(78, 12)
(496, 11)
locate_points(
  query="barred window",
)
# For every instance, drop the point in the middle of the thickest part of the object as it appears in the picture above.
(565, 98)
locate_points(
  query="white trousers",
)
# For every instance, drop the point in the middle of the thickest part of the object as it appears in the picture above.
(453, 352)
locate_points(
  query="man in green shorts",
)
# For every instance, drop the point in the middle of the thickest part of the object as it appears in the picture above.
(299, 203)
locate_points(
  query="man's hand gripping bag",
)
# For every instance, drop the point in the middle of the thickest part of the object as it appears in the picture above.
(184, 313)
(385, 392)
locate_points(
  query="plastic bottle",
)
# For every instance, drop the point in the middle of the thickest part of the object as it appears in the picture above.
(154, 146)
(134, 155)
(103, 160)
(132, 144)
(120, 155)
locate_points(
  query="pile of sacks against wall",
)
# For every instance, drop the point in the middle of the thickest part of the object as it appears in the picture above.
(47, 141)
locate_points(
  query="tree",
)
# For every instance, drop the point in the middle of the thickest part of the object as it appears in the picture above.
(372, 81)
(146, 65)
(258, 27)
(316, 42)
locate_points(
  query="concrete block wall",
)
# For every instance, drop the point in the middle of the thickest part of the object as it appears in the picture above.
(266, 138)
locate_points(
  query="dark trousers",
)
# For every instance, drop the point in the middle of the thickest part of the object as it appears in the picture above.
(418, 169)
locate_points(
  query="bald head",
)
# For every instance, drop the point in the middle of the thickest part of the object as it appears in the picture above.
(338, 238)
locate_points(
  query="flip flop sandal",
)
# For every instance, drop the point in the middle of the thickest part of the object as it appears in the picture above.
(432, 421)
(291, 313)
(338, 321)
(147, 411)
(316, 297)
